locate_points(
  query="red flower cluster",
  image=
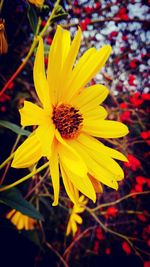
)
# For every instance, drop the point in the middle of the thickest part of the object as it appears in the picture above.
(136, 99)
(85, 23)
(131, 80)
(133, 163)
(123, 105)
(91, 9)
(133, 63)
(126, 248)
(99, 234)
(122, 14)
(146, 136)
(112, 35)
(111, 212)
(125, 116)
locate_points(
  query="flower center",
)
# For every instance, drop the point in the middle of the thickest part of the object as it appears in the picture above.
(67, 120)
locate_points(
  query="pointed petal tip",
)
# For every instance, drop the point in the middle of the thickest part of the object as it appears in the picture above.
(54, 204)
(15, 164)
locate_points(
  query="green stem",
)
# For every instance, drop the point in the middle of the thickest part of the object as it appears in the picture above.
(7, 160)
(25, 177)
(12, 153)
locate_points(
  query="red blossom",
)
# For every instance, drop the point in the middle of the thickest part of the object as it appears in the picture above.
(131, 80)
(140, 180)
(49, 40)
(138, 188)
(146, 263)
(145, 134)
(142, 217)
(96, 247)
(3, 109)
(85, 23)
(76, 11)
(136, 99)
(146, 96)
(126, 248)
(4, 98)
(88, 9)
(122, 14)
(112, 35)
(125, 116)
(99, 234)
(125, 38)
(108, 251)
(123, 105)
(111, 212)
(133, 63)
(122, 49)
(133, 163)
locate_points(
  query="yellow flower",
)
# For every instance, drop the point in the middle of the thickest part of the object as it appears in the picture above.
(38, 3)
(20, 220)
(69, 119)
(75, 217)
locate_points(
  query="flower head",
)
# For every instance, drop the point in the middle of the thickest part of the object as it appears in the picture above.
(20, 220)
(38, 3)
(69, 119)
(75, 217)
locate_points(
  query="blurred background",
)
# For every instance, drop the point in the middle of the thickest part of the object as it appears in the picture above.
(125, 26)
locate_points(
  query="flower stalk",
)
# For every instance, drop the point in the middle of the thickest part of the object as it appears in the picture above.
(23, 179)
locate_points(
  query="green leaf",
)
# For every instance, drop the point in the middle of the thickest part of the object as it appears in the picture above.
(14, 199)
(34, 237)
(59, 14)
(13, 127)
(33, 19)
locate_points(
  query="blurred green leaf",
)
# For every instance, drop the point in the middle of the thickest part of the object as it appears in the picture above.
(59, 14)
(14, 199)
(13, 127)
(34, 237)
(32, 16)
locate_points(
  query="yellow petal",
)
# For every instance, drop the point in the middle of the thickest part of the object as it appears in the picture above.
(89, 69)
(77, 218)
(83, 184)
(31, 114)
(68, 65)
(101, 158)
(57, 56)
(20, 224)
(96, 145)
(94, 114)
(54, 170)
(68, 231)
(74, 227)
(99, 172)
(114, 153)
(45, 135)
(28, 153)
(40, 81)
(70, 158)
(71, 191)
(91, 96)
(105, 128)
